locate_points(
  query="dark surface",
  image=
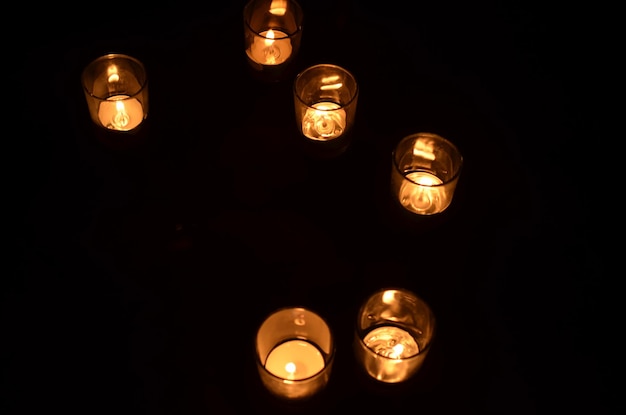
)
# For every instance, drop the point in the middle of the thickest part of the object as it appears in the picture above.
(143, 272)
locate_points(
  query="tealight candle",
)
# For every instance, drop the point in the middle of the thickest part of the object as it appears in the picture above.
(271, 47)
(295, 360)
(116, 90)
(425, 170)
(120, 112)
(325, 101)
(295, 351)
(393, 335)
(420, 193)
(324, 121)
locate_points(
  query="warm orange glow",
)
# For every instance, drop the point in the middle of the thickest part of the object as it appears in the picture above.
(120, 112)
(271, 47)
(290, 368)
(121, 118)
(398, 349)
(295, 360)
(420, 193)
(324, 121)
(424, 149)
(427, 180)
(269, 38)
(278, 7)
(333, 86)
(388, 297)
(329, 79)
(112, 74)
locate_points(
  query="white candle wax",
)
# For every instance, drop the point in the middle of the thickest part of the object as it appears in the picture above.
(120, 112)
(271, 47)
(295, 360)
(420, 193)
(325, 121)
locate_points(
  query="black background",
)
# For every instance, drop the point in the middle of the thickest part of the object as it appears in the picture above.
(144, 271)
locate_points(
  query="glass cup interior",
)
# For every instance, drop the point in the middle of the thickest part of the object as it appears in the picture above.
(325, 101)
(116, 91)
(393, 335)
(425, 171)
(295, 352)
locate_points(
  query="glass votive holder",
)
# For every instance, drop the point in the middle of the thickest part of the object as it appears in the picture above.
(325, 99)
(294, 352)
(394, 332)
(116, 90)
(424, 173)
(272, 35)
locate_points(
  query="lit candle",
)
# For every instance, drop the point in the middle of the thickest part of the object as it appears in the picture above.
(295, 350)
(393, 334)
(420, 192)
(271, 47)
(119, 112)
(295, 360)
(325, 121)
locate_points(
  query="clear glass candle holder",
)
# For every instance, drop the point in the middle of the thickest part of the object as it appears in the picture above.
(116, 90)
(394, 332)
(425, 170)
(295, 349)
(325, 99)
(272, 35)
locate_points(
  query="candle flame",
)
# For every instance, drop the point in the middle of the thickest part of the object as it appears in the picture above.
(121, 118)
(290, 367)
(278, 7)
(269, 38)
(320, 107)
(398, 349)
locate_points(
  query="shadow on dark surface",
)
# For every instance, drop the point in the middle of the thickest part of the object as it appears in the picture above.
(144, 271)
